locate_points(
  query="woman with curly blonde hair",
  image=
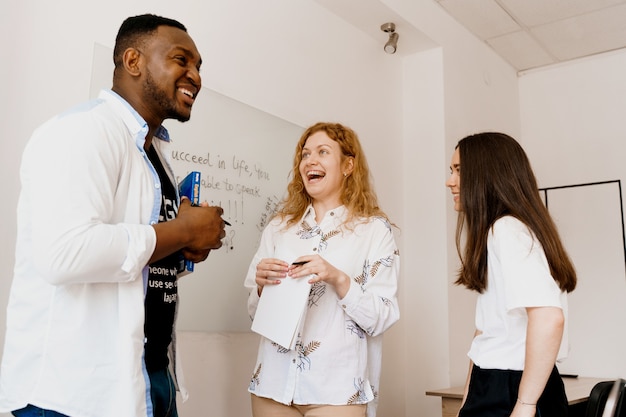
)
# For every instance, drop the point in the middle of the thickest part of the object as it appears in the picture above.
(358, 194)
(330, 231)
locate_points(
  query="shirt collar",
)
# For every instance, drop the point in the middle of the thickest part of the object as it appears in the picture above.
(337, 214)
(133, 119)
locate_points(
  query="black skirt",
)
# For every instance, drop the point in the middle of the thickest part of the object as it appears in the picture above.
(493, 393)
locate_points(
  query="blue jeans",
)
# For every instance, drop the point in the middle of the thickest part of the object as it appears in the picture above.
(32, 411)
(163, 393)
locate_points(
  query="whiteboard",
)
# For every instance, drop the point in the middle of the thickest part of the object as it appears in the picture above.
(245, 157)
(589, 220)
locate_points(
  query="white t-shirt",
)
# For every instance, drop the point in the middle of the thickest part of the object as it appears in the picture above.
(518, 277)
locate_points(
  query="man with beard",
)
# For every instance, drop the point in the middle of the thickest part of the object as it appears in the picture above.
(100, 229)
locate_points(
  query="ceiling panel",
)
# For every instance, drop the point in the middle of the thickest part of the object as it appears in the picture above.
(485, 18)
(586, 34)
(540, 12)
(534, 33)
(521, 50)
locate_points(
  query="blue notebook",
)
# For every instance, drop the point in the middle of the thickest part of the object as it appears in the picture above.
(190, 188)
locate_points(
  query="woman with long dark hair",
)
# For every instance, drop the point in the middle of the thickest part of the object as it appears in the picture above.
(511, 254)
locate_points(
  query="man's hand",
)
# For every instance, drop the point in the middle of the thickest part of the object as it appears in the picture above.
(195, 230)
(205, 227)
(195, 256)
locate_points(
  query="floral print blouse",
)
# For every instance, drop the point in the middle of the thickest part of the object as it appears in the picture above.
(337, 357)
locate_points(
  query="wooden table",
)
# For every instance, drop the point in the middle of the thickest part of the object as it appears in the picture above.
(577, 390)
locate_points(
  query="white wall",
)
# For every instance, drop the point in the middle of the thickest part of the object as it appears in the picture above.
(573, 128)
(573, 117)
(298, 61)
(424, 293)
(480, 92)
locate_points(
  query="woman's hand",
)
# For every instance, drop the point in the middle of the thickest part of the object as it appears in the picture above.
(270, 271)
(322, 271)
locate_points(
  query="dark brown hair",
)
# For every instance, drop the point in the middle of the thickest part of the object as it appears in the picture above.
(497, 180)
(135, 29)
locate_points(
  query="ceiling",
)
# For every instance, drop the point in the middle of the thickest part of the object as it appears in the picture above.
(535, 33)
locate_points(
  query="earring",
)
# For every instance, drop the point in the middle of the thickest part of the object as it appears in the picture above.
(345, 175)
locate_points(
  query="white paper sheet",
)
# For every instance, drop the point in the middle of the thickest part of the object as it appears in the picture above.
(281, 309)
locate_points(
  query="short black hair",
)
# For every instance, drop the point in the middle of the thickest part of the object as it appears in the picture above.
(134, 28)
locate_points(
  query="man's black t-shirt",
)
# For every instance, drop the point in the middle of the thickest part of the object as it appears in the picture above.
(162, 291)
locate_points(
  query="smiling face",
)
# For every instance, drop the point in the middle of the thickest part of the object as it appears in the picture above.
(171, 72)
(322, 168)
(454, 182)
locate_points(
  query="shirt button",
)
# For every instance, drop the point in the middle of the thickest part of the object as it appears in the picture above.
(314, 249)
(293, 360)
(332, 213)
(157, 186)
(343, 306)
